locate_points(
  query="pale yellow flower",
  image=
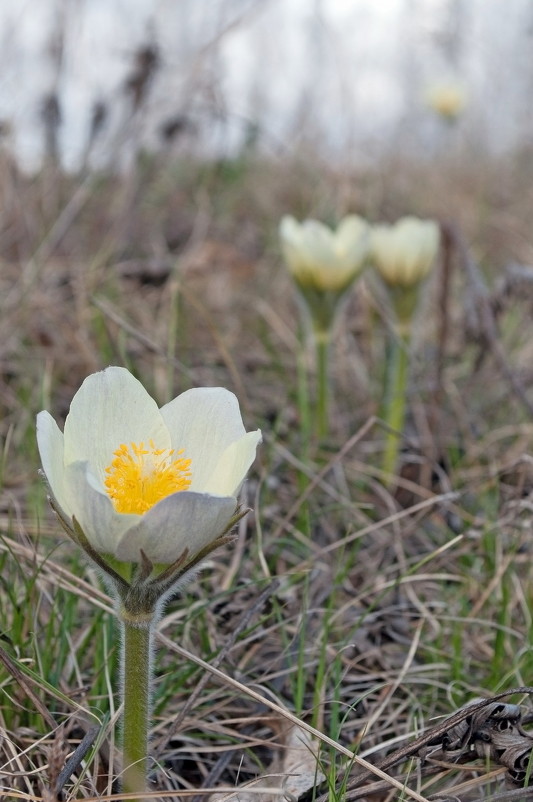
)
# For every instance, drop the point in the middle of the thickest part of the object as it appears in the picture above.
(323, 259)
(404, 253)
(138, 477)
(447, 100)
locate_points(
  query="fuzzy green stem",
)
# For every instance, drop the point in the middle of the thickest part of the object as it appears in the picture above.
(394, 402)
(303, 396)
(322, 400)
(137, 689)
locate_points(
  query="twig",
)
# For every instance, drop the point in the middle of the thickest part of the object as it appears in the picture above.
(435, 734)
(485, 316)
(447, 266)
(76, 758)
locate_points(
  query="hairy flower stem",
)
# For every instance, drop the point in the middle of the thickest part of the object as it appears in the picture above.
(137, 689)
(322, 339)
(303, 397)
(394, 402)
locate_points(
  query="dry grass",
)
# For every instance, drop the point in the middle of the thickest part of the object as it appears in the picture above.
(363, 612)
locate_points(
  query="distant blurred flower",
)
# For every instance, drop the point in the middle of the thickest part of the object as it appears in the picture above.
(324, 263)
(447, 100)
(403, 253)
(135, 477)
(322, 259)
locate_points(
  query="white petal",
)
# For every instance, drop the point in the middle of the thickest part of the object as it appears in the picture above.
(385, 252)
(318, 244)
(110, 408)
(203, 422)
(233, 466)
(51, 446)
(307, 249)
(413, 245)
(352, 241)
(290, 230)
(352, 228)
(321, 258)
(182, 521)
(94, 511)
(297, 262)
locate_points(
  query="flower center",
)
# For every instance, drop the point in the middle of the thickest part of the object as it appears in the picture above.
(139, 477)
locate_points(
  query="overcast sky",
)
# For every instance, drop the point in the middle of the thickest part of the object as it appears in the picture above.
(345, 74)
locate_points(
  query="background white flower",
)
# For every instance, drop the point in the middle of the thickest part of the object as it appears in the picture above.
(112, 409)
(321, 258)
(447, 99)
(403, 253)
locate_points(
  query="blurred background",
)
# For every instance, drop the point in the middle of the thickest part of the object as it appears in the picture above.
(148, 144)
(92, 82)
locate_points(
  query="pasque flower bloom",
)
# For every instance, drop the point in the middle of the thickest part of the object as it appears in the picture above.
(322, 259)
(404, 253)
(136, 477)
(448, 100)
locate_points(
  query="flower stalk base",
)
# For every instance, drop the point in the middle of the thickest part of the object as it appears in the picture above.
(140, 591)
(322, 340)
(137, 634)
(394, 404)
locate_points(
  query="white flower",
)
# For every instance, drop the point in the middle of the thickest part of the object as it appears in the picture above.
(404, 253)
(448, 100)
(138, 477)
(322, 259)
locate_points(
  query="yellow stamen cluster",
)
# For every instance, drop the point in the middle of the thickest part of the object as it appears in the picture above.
(139, 477)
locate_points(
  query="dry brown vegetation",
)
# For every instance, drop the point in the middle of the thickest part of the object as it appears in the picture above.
(362, 611)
